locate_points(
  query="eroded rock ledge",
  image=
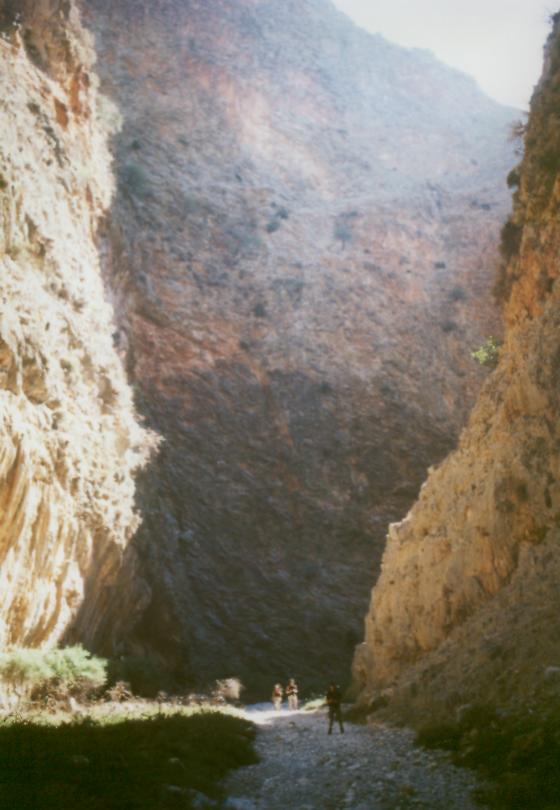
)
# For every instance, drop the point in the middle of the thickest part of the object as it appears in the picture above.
(70, 441)
(467, 602)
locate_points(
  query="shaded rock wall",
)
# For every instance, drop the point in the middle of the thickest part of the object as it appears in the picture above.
(70, 441)
(300, 255)
(465, 608)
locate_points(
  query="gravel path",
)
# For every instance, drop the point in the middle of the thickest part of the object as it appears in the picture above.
(371, 767)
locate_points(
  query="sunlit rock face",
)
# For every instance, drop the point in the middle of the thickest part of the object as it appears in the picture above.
(300, 253)
(69, 439)
(466, 607)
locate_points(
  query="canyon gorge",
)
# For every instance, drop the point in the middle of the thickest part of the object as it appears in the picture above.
(247, 251)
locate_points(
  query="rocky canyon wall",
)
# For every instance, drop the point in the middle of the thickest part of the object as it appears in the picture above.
(70, 441)
(300, 255)
(466, 606)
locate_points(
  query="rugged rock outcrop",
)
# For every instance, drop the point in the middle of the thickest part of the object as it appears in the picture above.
(466, 606)
(69, 439)
(300, 254)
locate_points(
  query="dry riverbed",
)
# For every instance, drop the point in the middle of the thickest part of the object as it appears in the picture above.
(369, 767)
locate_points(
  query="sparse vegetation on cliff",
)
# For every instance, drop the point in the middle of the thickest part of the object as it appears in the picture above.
(457, 293)
(135, 180)
(489, 353)
(511, 239)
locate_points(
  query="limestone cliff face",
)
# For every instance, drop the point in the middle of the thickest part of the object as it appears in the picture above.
(467, 602)
(69, 438)
(300, 253)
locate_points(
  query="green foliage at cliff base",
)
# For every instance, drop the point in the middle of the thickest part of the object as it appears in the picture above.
(519, 755)
(27, 674)
(150, 763)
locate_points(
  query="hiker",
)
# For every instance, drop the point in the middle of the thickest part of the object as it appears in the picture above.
(292, 693)
(277, 695)
(334, 699)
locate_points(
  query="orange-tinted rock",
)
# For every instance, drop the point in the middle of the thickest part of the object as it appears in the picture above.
(464, 610)
(301, 253)
(69, 437)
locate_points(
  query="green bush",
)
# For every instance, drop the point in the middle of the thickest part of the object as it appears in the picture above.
(76, 670)
(489, 353)
(21, 671)
(26, 674)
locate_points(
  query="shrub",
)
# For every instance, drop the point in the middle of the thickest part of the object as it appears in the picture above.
(120, 692)
(517, 130)
(22, 671)
(457, 293)
(228, 689)
(343, 231)
(135, 180)
(489, 353)
(448, 326)
(75, 671)
(26, 674)
(510, 239)
(513, 178)
(503, 284)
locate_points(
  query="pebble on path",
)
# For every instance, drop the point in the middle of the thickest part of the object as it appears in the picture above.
(372, 767)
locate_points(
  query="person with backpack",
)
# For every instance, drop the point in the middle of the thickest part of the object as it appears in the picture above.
(334, 701)
(292, 694)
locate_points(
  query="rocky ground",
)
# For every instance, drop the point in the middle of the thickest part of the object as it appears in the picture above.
(371, 767)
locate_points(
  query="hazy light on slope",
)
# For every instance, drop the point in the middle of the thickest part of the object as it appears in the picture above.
(499, 42)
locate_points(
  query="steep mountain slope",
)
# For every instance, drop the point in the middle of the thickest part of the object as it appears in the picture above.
(70, 441)
(466, 607)
(300, 255)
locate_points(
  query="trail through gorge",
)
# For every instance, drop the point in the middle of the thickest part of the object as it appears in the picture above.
(369, 767)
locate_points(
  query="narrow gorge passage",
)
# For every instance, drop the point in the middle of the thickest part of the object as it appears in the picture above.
(371, 767)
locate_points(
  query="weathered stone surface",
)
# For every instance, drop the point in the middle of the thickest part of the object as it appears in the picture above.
(300, 254)
(69, 438)
(465, 606)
